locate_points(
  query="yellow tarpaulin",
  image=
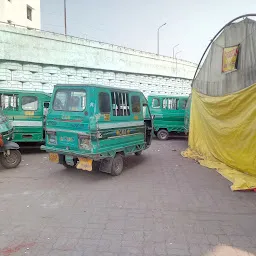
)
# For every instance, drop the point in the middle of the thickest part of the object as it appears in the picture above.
(222, 135)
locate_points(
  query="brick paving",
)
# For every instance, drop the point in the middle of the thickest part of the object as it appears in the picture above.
(162, 204)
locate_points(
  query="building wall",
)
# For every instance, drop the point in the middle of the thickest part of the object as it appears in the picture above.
(30, 76)
(38, 60)
(16, 12)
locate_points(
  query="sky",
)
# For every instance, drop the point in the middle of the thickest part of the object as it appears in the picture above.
(134, 23)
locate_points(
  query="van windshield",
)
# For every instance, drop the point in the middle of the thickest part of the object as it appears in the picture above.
(69, 100)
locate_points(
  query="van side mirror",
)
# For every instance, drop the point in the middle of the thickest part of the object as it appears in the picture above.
(145, 104)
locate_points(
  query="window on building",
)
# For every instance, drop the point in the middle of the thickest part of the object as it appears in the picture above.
(29, 103)
(135, 104)
(156, 103)
(9, 102)
(120, 104)
(29, 12)
(104, 102)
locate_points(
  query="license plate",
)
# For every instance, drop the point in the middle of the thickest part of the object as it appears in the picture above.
(54, 158)
(29, 113)
(84, 164)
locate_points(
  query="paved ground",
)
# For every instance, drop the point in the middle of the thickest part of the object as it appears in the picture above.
(161, 205)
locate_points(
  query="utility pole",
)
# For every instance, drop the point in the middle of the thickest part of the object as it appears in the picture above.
(158, 38)
(174, 49)
(65, 17)
(177, 54)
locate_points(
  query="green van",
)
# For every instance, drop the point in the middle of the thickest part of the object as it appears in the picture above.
(187, 115)
(89, 124)
(27, 111)
(168, 113)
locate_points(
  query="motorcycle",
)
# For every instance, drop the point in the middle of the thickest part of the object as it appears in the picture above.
(10, 156)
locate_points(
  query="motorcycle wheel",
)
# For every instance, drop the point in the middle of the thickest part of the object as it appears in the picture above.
(10, 159)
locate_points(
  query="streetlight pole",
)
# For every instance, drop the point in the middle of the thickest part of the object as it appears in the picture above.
(158, 37)
(177, 54)
(65, 17)
(174, 49)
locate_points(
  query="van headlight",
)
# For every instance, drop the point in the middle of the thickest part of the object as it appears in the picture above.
(84, 141)
(52, 138)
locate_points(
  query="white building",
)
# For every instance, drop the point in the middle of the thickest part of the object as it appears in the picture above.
(21, 12)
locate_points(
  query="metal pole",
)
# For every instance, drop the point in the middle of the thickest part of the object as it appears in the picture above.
(177, 54)
(158, 38)
(173, 49)
(65, 17)
(158, 41)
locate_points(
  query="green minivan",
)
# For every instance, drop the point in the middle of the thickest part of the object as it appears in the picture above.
(27, 110)
(187, 115)
(168, 113)
(92, 124)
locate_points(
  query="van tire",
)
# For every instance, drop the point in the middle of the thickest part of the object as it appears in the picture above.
(162, 134)
(117, 165)
(69, 166)
(96, 166)
(138, 153)
(12, 160)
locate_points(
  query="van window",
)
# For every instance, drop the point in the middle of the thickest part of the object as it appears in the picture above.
(29, 103)
(170, 103)
(46, 108)
(135, 104)
(173, 104)
(156, 103)
(120, 104)
(164, 103)
(69, 100)
(104, 102)
(9, 102)
(184, 104)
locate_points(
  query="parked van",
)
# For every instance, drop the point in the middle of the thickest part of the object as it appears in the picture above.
(168, 112)
(27, 111)
(187, 115)
(93, 123)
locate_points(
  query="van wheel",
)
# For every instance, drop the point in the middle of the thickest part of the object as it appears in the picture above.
(138, 153)
(95, 165)
(162, 134)
(69, 166)
(117, 165)
(10, 159)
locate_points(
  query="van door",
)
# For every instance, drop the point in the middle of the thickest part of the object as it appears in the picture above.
(148, 124)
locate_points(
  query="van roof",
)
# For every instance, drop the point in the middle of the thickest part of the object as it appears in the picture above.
(7, 91)
(167, 95)
(98, 86)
